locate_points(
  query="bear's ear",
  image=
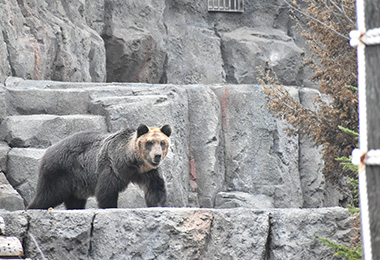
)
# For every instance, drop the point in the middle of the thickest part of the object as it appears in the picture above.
(141, 130)
(166, 130)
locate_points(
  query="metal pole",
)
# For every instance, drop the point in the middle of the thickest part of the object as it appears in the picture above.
(369, 128)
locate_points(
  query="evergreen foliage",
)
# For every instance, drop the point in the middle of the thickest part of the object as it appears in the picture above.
(342, 251)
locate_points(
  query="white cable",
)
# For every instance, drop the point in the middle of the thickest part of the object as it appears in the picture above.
(372, 157)
(372, 36)
(369, 37)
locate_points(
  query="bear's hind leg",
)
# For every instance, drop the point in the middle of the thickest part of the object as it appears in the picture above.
(43, 202)
(75, 203)
(47, 196)
(51, 191)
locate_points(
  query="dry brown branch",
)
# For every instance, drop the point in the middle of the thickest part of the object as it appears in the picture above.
(334, 63)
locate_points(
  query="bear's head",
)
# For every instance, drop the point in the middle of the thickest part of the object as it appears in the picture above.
(153, 144)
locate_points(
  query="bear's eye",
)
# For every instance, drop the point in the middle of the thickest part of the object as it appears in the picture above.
(148, 145)
(163, 145)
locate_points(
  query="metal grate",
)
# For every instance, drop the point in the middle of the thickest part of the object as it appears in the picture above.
(226, 6)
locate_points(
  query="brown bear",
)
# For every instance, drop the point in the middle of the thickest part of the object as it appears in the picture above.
(88, 163)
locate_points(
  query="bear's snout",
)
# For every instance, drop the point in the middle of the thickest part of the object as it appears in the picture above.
(157, 157)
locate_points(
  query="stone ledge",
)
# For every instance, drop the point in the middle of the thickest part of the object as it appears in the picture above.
(179, 233)
(41, 131)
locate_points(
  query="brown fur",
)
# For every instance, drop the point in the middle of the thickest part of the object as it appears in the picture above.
(89, 163)
(150, 144)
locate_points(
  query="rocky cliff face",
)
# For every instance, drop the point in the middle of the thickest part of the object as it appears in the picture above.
(150, 41)
(227, 150)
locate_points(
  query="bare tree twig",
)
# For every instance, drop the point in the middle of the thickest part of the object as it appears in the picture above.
(316, 20)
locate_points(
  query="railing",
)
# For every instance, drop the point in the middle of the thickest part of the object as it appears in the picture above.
(226, 6)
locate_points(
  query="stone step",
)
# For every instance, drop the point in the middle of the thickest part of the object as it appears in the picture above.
(22, 171)
(180, 233)
(26, 97)
(10, 199)
(45, 130)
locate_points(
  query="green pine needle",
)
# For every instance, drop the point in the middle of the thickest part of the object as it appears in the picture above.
(342, 251)
(352, 87)
(348, 131)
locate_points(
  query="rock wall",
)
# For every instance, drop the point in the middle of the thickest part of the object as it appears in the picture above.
(227, 149)
(151, 41)
(179, 233)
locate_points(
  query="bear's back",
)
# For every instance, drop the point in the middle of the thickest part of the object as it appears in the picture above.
(74, 153)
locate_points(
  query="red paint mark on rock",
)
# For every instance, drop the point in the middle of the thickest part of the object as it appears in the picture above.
(192, 173)
(37, 61)
(147, 52)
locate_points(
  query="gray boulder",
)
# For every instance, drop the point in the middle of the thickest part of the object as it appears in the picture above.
(293, 232)
(53, 43)
(134, 46)
(45, 130)
(22, 171)
(194, 50)
(247, 51)
(94, 14)
(311, 163)
(5, 67)
(9, 198)
(238, 234)
(4, 149)
(260, 158)
(3, 106)
(28, 97)
(206, 153)
(191, 229)
(176, 42)
(59, 235)
(16, 223)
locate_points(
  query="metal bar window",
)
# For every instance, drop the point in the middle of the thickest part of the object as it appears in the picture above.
(226, 6)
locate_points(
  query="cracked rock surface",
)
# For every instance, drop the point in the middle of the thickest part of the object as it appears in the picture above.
(235, 180)
(179, 233)
(227, 149)
(150, 41)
